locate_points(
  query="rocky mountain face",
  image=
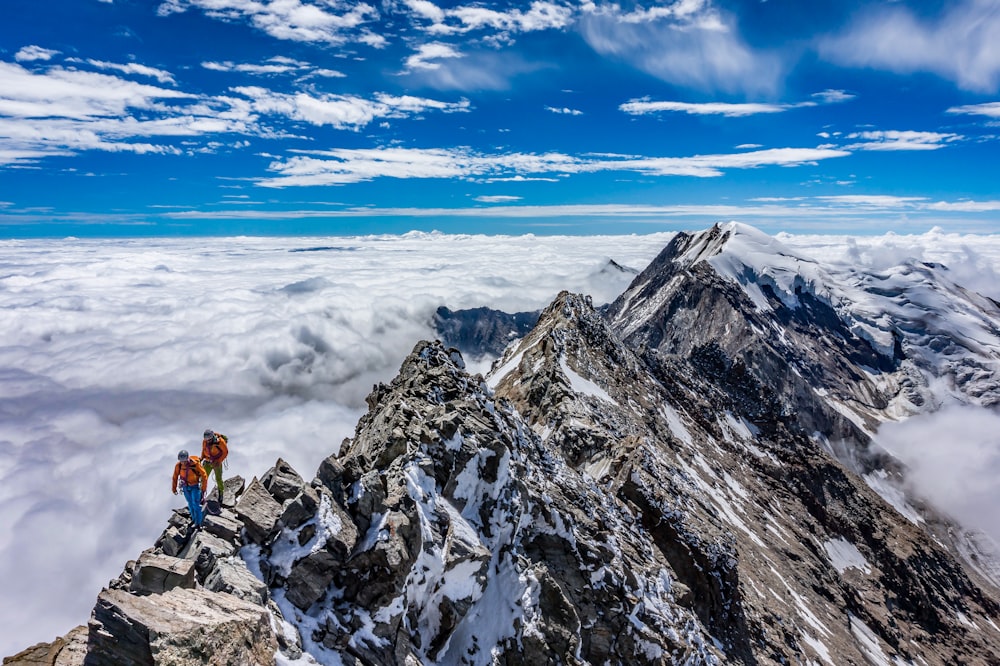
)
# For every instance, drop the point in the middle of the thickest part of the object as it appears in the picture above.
(480, 332)
(678, 478)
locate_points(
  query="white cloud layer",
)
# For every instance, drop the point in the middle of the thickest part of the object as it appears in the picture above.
(115, 354)
(973, 260)
(961, 44)
(953, 460)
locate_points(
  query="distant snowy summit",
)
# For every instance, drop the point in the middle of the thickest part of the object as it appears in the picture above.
(682, 476)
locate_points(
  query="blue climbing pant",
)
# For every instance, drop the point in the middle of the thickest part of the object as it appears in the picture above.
(193, 496)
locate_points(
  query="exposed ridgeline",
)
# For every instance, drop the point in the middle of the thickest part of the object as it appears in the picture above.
(649, 484)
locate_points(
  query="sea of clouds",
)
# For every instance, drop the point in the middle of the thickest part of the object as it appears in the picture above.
(115, 354)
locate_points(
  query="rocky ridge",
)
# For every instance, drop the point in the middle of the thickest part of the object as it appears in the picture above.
(648, 483)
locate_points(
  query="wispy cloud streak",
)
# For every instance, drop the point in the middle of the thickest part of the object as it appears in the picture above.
(335, 167)
(960, 43)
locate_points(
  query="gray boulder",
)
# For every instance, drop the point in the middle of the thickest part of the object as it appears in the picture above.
(225, 526)
(155, 573)
(259, 512)
(179, 628)
(205, 548)
(233, 487)
(310, 578)
(230, 575)
(282, 481)
(300, 509)
(343, 534)
(172, 541)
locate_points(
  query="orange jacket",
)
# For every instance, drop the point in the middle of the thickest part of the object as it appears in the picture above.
(190, 472)
(215, 452)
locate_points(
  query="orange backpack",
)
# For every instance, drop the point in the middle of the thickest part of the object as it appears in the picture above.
(188, 470)
(215, 448)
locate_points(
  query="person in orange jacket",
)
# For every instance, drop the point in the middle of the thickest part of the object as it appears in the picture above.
(214, 449)
(194, 483)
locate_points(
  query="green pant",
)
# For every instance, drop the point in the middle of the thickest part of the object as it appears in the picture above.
(217, 468)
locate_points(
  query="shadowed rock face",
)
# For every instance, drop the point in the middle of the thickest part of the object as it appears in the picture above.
(480, 332)
(647, 484)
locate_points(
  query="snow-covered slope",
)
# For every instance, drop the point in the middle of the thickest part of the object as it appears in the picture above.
(933, 341)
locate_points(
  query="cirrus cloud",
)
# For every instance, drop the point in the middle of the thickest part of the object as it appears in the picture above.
(959, 44)
(641, 107)
(644, 106)
(342, 166)
(901, 140)
(160, 75)
(540, 15)
(688, 43)
(428, 55)
(988, 109)
(60, 112)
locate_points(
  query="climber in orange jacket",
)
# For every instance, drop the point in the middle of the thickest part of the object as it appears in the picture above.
(194, 483)
(214, 449)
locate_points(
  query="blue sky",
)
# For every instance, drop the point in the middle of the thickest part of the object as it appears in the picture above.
(174, 117)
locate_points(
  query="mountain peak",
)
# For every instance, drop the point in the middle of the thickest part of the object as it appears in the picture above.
(763, 266)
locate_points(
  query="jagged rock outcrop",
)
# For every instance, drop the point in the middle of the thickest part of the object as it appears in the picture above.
(655, 482)
(179, 627)
(465, 547)
(68, 650)
(155, 573)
